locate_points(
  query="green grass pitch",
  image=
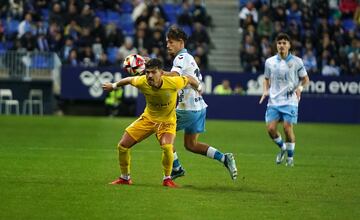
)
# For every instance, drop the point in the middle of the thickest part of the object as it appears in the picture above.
(59, 168)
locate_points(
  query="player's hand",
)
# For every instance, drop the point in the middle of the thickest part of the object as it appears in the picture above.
(107, 87)
(264, 95)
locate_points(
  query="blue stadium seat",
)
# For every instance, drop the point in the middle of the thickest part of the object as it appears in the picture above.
(2, 47)
(112, 16)
(171, 11)
(11, 27)
(187, 29)
(348, 24)
(7, 45)
(102, 15)
(40, 61)
(242, 3)
(127, 7)
(126, 24)
(45, 13)
(112, 53)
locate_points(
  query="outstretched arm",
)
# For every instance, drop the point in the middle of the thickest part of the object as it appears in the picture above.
(112, 86)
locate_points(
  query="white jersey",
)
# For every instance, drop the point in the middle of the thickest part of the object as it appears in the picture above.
(284, 78)
(189, 98)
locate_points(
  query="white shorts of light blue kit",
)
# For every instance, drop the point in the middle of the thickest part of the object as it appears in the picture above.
(288, 113)
(192, 122)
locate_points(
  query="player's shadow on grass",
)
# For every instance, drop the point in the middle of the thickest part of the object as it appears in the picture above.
(211, 188)
(217, 188)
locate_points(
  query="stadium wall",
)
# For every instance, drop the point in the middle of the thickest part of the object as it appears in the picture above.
(311, 109)
(326, 99)
(20, 90)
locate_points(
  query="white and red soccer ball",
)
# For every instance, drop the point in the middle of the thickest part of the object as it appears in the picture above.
(134, 64)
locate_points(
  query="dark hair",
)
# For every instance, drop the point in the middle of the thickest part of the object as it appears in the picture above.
(283, 36)
(176, 33)
(153, 63)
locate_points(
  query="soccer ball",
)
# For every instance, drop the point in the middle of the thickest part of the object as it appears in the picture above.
(134, 64)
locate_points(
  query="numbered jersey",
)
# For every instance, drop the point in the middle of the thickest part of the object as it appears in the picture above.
(189, 99)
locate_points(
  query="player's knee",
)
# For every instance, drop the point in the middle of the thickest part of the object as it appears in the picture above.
(288, 128)
(122, 147)
(167, 147)
(190, 146)
(271, 130)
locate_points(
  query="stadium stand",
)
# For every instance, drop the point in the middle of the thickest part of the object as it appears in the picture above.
(327, 30)
(100, 25)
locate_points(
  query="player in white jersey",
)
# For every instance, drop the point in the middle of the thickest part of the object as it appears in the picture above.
(191, 108)
(285, 78)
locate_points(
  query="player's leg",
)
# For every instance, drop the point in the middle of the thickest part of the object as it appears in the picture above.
(183, 120)
(134, 133)
(177, 170)
(290, 118)
(192, 144)
(290, 143)
(166, 136)
(272, 117)
(124, 157)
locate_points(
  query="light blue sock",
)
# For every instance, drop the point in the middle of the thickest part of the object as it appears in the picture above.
(213, 153)
(176, 163)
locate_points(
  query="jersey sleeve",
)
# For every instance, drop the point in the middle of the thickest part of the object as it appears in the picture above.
(136, 81)
(301, 69)
(267, 69)
(180, 81)
(178, 64)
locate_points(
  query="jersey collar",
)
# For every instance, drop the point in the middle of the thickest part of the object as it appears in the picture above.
(286, 59)
(182, 51)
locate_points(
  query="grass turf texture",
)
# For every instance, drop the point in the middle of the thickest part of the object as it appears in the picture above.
(59, 168)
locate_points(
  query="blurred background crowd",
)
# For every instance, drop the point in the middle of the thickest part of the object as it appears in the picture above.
(326, 34)
(101, 32)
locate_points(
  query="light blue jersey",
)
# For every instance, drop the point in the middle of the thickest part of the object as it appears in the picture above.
(284, 78)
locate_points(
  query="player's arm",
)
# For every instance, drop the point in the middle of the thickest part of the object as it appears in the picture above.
(166, 73)
(266, 87)
(303, 82)
(112, 86)
(194, 83)
(266, 83)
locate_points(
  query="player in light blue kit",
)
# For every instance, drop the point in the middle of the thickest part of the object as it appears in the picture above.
(191, 109)
(285, 78)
